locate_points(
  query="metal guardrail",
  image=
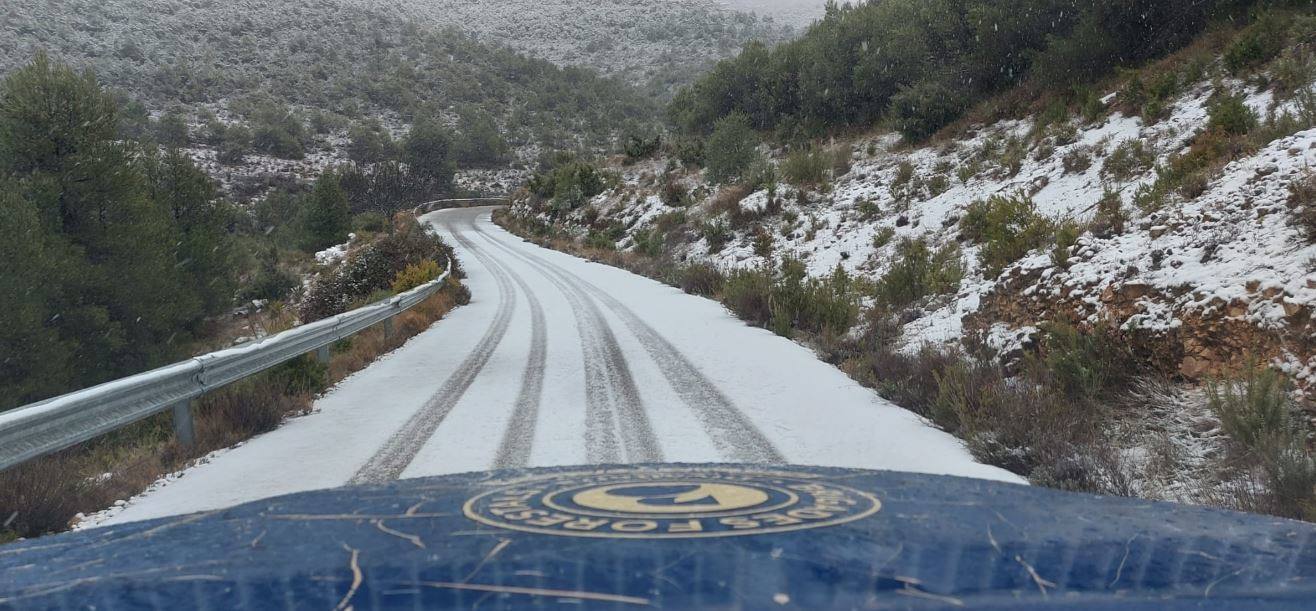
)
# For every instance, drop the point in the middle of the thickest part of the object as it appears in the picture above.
(469, 202)
(54, 424)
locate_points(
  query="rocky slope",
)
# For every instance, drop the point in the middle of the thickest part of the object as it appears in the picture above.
(1199, 283)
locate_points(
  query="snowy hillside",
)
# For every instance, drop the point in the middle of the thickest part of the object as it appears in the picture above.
(636, 40)
(1209, 275)
(799, 13)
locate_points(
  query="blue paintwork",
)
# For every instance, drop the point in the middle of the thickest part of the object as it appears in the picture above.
(936, 542)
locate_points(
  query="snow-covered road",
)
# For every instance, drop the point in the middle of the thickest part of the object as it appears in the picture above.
(559, 361)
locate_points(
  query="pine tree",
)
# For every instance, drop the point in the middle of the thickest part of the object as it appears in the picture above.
(428, 154)
(326, 218)
(731, 149)
(119, 265)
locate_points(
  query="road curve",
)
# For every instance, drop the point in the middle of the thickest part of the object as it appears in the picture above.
(559, 361)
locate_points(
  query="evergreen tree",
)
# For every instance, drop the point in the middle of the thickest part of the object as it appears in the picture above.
(326, 219)
(205, 251)
(428, 154)
(171, 130)
(119, 264)
(369, 143)
(36, 361)
(480, 144)
(730, 149)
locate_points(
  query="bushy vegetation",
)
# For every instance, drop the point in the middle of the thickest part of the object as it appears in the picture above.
(326, 218)
(811, 167)
(416, 274)
(43, 496)
(923, 63)
(567, 183)
(379, 266)
(1257, 412)
(783, 298)
(918, 272)
(1302, 201)
(1129, 159)
(1007, 227)
(419, 168)
(116, 252)
(345, 59)
(731, 149)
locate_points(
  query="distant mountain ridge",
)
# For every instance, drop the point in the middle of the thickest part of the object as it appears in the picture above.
(639, 41)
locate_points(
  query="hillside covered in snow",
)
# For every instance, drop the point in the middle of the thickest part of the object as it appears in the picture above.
(1100, 264)
(658, 44)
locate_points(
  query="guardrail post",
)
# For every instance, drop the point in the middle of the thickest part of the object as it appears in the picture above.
(184, 425)
(322, 355)
(388, 328)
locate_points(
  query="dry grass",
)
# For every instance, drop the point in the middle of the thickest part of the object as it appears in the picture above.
(45, 495)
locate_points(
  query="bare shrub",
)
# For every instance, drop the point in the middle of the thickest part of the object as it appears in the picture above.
(701, 279)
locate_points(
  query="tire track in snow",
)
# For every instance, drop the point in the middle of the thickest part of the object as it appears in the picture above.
(732, 431)
(519, 438)
(396, 454)
(613, 408)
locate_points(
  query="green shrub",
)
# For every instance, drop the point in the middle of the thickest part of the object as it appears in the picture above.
(748, 293)
(918, 272)
(371, 268)
(787, 299)
(235, 145)
(1007, 227)
(967, 396)
(1130, 159)
(762, 241)
(675, 194)
(921, 110)
(938, 184)
(648, 242)
(669, 221)
(827, 306)
(805, 167)
(600, 240)
(568, 186)
(1012, 157)
(1258, 414)
(1084, 365)
(1254, 411)
(277, 132)
(639, 147)
(370, 143)
(1290, 478)
(304, 374)
(1077, 160)
(370, 221)
(717, 233)
(689, 150)
(1302, 200)
(1257, 44)
(325, 216)
(271, 283)
(904, 174)
(867, 210)
(1231, 116)
(883, 237)
(1110, 218)
(731, 149)
(1067, 233)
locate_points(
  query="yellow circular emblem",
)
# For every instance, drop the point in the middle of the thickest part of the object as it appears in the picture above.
(675, 502)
